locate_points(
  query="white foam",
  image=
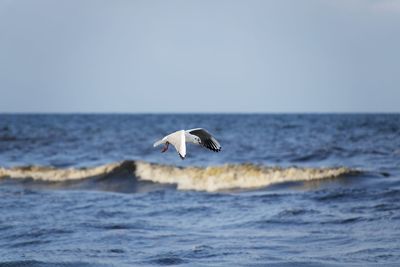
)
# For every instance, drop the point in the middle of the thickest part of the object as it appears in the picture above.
(217, 178)
(227, 177)
(54, 174)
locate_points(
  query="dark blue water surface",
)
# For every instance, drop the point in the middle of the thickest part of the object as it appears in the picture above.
(118, 219)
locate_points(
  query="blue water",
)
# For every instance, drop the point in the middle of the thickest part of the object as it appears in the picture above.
(118, 219)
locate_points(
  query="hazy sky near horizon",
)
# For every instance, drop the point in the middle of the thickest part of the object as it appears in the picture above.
(200, 56)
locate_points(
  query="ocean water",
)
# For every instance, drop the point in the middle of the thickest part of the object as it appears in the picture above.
(286, 190)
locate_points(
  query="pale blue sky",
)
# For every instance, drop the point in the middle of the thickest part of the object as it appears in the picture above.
(200, 56)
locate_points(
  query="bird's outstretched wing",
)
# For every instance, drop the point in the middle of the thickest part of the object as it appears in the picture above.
(177, 139)
(207, 140)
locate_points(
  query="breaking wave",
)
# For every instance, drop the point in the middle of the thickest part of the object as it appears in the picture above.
(211, 179)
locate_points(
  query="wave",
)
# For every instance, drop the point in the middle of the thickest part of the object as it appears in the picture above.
(211, 179)
(53, 174)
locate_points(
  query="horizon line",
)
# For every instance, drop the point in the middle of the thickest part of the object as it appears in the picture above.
(200, 113)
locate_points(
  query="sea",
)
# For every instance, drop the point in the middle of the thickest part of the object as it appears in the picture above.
(285, 190)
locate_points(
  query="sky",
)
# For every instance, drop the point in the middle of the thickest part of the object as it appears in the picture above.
(151, 56)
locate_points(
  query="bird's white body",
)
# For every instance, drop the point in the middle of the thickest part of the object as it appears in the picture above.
(196, 136)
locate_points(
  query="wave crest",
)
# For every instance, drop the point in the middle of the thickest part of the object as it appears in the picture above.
(52, 174)
(231, 176)
(211, 179)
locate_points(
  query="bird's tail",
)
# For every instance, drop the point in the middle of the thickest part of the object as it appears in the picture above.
(159, 142)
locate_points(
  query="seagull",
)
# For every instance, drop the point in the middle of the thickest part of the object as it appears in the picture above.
(198, 136)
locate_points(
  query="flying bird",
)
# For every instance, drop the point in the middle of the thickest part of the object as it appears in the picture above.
(198, 136)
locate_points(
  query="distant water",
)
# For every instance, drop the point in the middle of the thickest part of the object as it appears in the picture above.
(286, 190)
